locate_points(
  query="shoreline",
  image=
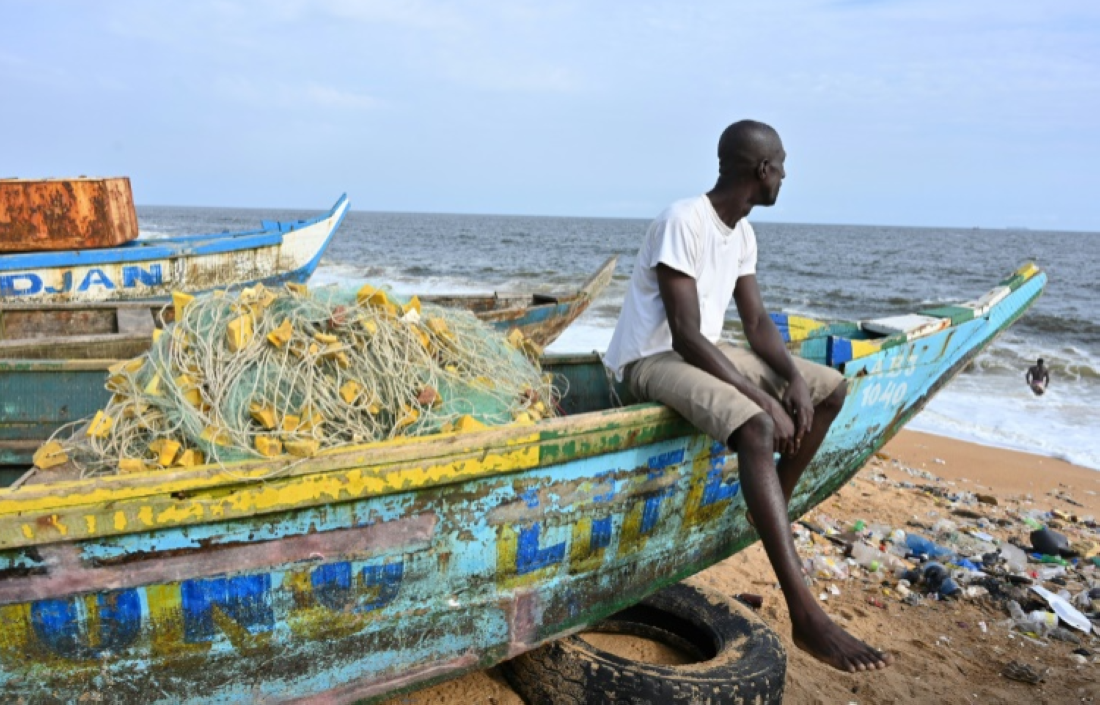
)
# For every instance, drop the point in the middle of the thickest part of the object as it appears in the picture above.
(1004, 471)
(950, 652)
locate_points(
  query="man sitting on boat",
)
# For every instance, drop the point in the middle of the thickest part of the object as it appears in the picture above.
(1038, 377)
(698, 254)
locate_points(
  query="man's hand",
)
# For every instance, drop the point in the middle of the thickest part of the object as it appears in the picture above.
(799, 405)
(783, 428)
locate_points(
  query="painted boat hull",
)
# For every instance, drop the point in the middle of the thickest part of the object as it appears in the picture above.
(361, 573)
(48, 382)
(152, 269)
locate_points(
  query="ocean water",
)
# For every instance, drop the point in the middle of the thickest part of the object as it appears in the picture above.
(821, 271)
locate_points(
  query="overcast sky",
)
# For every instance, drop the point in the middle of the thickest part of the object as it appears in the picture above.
(901, 112)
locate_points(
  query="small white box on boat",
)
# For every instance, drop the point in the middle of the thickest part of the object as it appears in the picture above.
(913, 325)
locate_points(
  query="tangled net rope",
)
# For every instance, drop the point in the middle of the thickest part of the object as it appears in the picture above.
(267, 372)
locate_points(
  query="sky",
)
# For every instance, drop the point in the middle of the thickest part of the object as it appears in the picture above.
(896, 112)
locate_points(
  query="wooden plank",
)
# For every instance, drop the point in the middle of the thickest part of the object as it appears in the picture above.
(136, 322)
(77, 347)
(48, 323)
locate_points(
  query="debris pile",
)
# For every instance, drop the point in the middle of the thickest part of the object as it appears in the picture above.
(294, 371)
(1039, 569)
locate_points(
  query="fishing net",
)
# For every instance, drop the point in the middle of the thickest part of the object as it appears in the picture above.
(264, 373)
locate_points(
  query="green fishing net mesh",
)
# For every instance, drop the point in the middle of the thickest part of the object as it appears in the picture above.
(295, 371)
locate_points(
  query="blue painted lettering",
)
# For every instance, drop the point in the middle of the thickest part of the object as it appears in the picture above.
(663, 460)
(62, 625)
(332, 586)
(601, 533)
(66, 284)
(529, 557)
(24, 284)
(132, 275)
(95, 277)
(243, 599)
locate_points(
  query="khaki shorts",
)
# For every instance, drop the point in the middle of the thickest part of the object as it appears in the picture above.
(713, 406)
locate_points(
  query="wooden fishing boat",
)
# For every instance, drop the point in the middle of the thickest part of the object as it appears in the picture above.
(149, 269)
(122, 329)
(378, 568)
(541, 317)
(49, 377)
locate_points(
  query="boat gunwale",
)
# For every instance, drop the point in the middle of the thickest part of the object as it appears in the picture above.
(396, 466)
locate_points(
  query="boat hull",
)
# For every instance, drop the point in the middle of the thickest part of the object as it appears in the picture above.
(358, 574)
(152, 269)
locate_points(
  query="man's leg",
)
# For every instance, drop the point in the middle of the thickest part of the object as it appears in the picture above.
(813, 630)
(791, 467)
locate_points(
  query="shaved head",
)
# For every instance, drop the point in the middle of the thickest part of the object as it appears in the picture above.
(743, 145)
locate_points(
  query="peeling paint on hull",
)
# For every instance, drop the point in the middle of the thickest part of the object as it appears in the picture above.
(386, 567)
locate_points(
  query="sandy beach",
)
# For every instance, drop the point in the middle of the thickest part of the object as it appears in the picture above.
(947, 651)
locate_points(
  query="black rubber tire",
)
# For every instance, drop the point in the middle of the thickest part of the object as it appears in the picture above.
(741, 659)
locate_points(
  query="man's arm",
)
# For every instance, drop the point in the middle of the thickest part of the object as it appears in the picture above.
(765, 341)
(681, 300)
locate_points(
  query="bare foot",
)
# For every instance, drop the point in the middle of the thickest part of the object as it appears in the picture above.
(821, 638)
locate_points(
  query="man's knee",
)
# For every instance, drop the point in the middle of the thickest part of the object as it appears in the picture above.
(758, 431)
(833, 403)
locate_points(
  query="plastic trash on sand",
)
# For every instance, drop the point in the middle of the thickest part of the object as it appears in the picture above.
(828, 568)
(1065, 611)
(920, 545)
(1015, 558)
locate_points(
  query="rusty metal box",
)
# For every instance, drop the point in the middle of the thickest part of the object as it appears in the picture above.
(66, 214)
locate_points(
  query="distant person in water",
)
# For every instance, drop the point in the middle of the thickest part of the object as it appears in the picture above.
(697, 255)
(1038, 377)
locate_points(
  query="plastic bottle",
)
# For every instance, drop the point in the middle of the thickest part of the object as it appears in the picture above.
(1051, 571)
(867, 556)
(826, 567)
(920, 545)
(1015, 558)
(1043, 617)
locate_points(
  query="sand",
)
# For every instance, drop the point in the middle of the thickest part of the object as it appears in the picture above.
(942, 653)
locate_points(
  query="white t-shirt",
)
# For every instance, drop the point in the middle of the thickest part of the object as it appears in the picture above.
(690, 238)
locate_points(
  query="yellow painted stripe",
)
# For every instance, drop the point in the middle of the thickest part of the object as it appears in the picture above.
(863, 348)
(107, 506)
(100, 515)
(1028, 270)
(800, 328)
(59, 495)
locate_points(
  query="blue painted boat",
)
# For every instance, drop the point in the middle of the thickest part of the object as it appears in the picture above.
(379, 568)
(152, 269)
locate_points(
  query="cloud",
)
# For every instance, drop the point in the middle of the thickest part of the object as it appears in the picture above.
(242, 89)
(329, 97)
